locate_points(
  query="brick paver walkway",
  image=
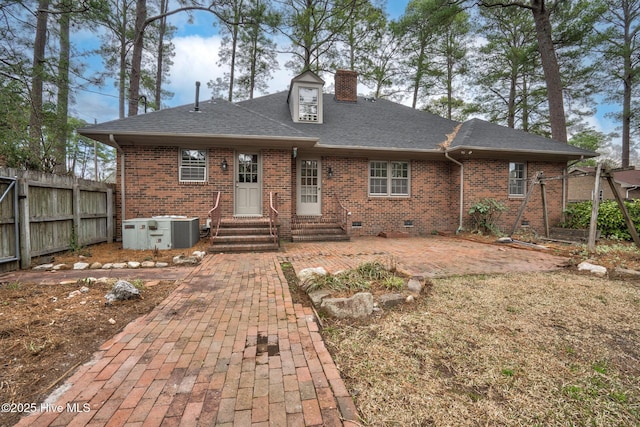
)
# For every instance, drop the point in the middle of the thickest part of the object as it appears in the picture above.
(230, 348)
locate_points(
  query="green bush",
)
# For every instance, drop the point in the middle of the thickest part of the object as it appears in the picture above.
(610, 221)
(485, 214)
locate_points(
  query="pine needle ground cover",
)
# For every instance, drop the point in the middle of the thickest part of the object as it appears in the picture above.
(526, 349)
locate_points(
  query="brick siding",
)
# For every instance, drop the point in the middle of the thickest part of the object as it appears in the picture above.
(153, 188)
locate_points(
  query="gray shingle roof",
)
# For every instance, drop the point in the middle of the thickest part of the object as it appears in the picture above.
(215, 118)
(377, 125)
(480, 134)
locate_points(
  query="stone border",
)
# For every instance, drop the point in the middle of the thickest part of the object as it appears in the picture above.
(194, 259)
(360, 305)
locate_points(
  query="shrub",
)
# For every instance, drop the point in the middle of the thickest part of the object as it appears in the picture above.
(610, 220)
(485, 214)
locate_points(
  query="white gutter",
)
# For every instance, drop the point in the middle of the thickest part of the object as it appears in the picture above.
(446, 154)
(112, 139)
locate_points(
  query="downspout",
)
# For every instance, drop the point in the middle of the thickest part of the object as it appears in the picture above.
(446, 154)
(112, 139)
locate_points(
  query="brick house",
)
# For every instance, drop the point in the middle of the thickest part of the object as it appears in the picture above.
(582, 183)
(390, 167)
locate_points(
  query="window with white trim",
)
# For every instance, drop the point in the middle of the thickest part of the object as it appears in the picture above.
(193, 165)
(308, 104)
(388, 178)
(517, 179)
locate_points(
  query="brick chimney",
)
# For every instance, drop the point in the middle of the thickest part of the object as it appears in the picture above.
(346, 86)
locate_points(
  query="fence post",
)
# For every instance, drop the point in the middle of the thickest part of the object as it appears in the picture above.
(110, 222)
(23, 223)
(79, 240)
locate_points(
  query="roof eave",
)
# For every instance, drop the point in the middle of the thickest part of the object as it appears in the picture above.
(193, 139)
(484, 152)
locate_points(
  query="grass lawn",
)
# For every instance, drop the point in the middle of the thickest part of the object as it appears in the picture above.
(516, 349)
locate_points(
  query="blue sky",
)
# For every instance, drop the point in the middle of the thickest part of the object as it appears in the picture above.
(196, 47)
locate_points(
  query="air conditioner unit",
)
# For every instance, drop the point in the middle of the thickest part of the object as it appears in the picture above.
(165, 232)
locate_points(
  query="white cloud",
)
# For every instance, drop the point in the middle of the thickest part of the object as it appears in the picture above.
(196, 59)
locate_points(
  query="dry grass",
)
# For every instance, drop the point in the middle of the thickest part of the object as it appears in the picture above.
(526, 349)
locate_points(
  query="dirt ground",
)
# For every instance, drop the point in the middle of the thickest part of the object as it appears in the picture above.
(45, 335)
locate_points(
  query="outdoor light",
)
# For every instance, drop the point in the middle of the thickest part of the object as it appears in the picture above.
(224, 165)
(295, 152)
(330, 172)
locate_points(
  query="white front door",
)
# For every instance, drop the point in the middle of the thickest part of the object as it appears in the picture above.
(248, 200)
(309, 179)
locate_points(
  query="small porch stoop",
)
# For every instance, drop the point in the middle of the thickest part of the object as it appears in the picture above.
(317, 230)
(243, 235)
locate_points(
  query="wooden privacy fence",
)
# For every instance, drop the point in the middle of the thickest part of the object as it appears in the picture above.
(43, 213)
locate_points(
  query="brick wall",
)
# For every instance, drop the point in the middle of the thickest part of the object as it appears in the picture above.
(489, 178)
(152, 188)
(429, 207)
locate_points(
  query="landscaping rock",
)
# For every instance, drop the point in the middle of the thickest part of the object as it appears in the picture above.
(199, 254)
(306, 275)
(61, 267)
(598, 270)
(358, 306)
(161, 264)
(148, 264)
(107, 266)
(415, 285)
(133, 264)
(119, 265)
(43, 267)
(185, 260)
(318, 296)
(391, 300)
(121, 291)
(80, 265)
(95, 266)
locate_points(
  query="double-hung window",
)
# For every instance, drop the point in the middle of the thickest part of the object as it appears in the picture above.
(308, 104)
(388, 178)
(193, 165)
(517, 179)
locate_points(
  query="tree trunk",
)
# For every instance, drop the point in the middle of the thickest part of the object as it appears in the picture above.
(513, 92)
(232, 66)
(418, 79)
(136, 59)
(36, 116)
(628, 84)
(122, 76)
(525, 104)
(551, 70)
(252, 71)
(159, 71)
(62, 112)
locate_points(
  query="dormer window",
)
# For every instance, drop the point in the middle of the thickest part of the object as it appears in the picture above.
(308, 104)
(305, 98)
